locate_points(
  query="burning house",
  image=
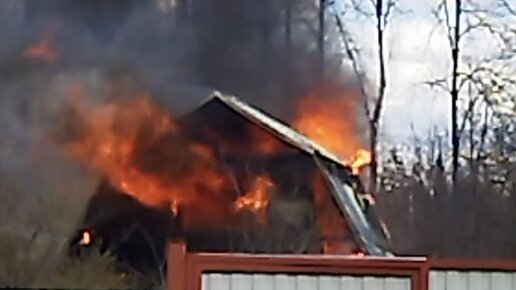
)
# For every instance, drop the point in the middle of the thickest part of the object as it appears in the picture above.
(225, 176)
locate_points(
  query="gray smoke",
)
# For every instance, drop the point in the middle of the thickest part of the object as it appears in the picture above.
(178, 50)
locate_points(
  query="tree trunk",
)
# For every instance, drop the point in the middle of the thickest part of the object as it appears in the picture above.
(322, 33)
(288, 45)
(455, 92)
(373, 139)
(378, 106)
(266, 30)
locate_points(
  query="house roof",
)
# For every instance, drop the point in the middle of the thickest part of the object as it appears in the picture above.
(363, 221)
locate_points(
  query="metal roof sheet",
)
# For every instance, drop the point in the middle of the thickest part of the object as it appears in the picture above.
(280, 129)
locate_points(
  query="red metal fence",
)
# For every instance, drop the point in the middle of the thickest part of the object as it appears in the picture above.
(208, 271)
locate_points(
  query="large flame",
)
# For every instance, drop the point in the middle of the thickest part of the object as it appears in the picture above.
(257, 198)
(331, 122)
(144, 153)
(362, 158)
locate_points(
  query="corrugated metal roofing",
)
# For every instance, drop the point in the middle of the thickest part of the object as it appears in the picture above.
(348, 204)
(346, 197)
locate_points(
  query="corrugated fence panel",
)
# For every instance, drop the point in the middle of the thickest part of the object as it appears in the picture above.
(216, 281)
(472, 280)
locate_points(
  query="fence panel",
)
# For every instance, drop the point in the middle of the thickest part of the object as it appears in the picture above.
(472, 280)
(232, 281)
(204, 271)
(211, 271)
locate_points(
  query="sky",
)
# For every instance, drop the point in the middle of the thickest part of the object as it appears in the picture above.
(417, 51)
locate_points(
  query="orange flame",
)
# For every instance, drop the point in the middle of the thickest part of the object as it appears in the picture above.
(145, 153)
(87, 238)
(43, 49)
(174, 206)
(108, 145)
(358, 254)
(264, 142)
(117, 138)
(333, 226)
(330, 120)
(256, 198)
(362, 158)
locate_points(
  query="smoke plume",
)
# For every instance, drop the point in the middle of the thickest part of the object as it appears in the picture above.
(177, 51)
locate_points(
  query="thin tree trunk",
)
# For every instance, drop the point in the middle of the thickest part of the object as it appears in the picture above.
(375, 118)
(455, 92)
(322, 33)
(266, 45)
(288, 45)
(373, 138)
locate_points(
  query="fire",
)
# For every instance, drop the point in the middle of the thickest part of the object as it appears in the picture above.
(257, 197)
(358, 254)
(87, 238)
(174, 206)
(44, 49)
(146, 154)
(333, 226)
(362, 158)
(264, 142)
(117, 139)
(108, 144)
(330, 120)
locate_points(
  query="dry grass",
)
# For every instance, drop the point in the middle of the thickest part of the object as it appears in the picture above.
(40, 208)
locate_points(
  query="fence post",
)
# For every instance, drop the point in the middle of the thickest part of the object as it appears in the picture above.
(424, 280)
(176, 266)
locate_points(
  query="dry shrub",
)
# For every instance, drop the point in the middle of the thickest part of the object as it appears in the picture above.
(426, 215)
(40, 209)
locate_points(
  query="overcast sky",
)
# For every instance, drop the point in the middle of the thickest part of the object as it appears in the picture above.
(417, 51)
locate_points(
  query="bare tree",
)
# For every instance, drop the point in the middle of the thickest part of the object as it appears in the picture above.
(454, 89)
(373, 105)
(382, 15)
(481, 208)
(321, 36)
(288, 45)
(454, 35)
